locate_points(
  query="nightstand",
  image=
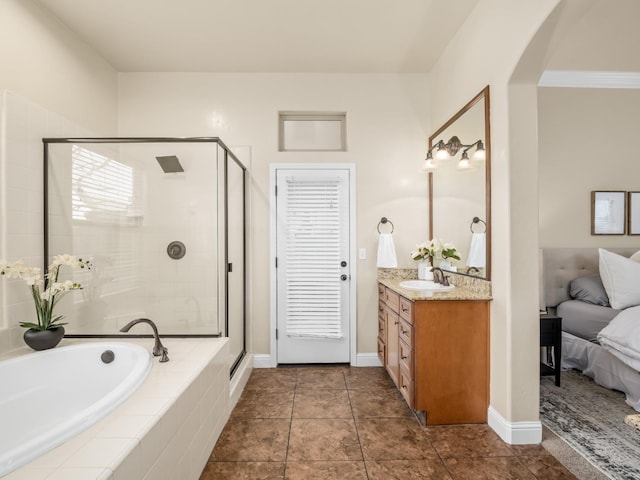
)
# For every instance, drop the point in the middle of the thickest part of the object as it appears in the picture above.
(551, 336)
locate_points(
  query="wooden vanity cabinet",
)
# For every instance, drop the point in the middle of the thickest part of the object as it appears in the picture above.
(437, 354)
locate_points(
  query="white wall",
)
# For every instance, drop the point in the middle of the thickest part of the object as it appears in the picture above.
(386, 136)
(41, 60)
(477, 56)
(586, 141)
(59, 88)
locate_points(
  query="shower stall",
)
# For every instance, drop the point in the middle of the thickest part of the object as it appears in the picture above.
(164, 223)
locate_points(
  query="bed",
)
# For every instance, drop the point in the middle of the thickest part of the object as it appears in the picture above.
(571, 289)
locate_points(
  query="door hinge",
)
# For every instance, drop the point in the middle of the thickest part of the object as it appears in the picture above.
(276, 262)
(276, 187)
(276, 333)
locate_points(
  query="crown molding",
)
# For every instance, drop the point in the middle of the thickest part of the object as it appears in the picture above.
(589, 79)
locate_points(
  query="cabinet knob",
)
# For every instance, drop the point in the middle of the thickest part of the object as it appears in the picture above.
(404, 332)
(404, 358)
(405, 309)
(395, 323)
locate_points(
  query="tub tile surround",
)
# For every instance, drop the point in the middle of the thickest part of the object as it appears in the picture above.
(467, 287)
(165, 430)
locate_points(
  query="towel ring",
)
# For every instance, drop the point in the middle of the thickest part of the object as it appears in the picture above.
(477, 220)
(384, 220)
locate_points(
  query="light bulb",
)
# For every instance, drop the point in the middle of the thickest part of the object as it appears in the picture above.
(480, 153)
(464, 163)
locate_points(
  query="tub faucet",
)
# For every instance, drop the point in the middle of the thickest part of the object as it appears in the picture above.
(443, 280)
(159, 350)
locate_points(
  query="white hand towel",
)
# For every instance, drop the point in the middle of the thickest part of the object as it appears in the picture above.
(386, 252)
(477, 251)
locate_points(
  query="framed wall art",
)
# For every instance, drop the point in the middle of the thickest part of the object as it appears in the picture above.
(608, 212)
(633, 214)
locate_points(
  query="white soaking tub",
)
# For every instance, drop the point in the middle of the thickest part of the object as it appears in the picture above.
(48, 397)
(165, 430)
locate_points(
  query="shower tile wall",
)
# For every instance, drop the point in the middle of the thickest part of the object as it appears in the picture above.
(133, 276)
(21, 209)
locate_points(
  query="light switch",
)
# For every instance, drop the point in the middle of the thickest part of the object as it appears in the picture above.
(362, 254)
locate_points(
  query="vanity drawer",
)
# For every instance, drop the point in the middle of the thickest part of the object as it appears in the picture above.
(392, 299)
(382, 327)
(406, 359)
(406, 309)
(406, 332)
(381, 351)
(406, 387)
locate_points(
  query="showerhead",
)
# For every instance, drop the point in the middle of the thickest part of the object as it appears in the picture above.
(170, 164)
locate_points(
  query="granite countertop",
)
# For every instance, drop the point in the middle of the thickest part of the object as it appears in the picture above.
(473, 291)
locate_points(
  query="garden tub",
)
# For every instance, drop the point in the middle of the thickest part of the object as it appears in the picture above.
(50, 396)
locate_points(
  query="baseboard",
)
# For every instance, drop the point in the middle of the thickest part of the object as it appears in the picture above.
(515, 433)
(264, 360)
(367, 360)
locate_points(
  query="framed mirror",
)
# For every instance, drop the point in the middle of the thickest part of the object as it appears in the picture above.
(460, 188)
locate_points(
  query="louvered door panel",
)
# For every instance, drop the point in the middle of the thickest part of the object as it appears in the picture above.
(313, 226)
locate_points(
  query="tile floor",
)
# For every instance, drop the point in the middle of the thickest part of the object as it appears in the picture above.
(352, 424)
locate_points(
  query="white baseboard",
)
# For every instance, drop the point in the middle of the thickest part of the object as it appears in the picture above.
(265, 360)
(515, 433)
(367, 360)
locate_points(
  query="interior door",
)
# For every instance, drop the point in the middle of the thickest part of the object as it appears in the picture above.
(313, 271)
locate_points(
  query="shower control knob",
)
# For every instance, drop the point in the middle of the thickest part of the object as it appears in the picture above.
(343, 263)
(344, 277)
(176, 250)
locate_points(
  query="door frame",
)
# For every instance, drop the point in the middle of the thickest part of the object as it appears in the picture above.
(353, 319)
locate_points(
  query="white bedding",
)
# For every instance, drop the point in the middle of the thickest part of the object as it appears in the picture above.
(621, 337)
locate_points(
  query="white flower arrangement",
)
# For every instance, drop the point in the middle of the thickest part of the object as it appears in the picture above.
(435, 248)
(45, 289)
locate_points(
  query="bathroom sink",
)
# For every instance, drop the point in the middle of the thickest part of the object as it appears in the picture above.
(425, 285)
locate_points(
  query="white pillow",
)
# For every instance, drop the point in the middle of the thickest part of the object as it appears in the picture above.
(621, 279)
(635, 257)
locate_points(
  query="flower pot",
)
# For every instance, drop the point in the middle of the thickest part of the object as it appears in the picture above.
(43, 339)
(424, 270)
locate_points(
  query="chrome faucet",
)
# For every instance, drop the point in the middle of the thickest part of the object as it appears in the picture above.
(443, 280)
(159, 350)
(473, 270)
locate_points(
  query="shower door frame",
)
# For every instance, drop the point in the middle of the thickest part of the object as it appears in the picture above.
(222, 264)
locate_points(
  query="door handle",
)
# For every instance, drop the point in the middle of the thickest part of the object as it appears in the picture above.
(344, 277)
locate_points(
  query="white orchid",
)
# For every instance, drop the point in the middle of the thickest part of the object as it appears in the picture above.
(435, 248)
(46, 290)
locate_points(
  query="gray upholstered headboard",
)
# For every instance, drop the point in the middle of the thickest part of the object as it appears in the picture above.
(561, 265)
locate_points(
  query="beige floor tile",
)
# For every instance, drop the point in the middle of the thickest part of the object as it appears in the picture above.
(345, 470)
(322, 404)
(323, 439)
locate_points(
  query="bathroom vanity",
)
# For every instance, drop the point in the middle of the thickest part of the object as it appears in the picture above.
(435, 347)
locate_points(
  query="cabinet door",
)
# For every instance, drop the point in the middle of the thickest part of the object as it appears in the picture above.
(393, 345)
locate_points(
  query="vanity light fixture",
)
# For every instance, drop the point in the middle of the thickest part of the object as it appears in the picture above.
(446, 151)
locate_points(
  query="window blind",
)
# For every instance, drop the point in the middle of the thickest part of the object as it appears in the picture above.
(313, 257)
(102, 188)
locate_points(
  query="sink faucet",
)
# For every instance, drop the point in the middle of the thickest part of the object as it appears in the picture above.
(158, 349)
(443, 280)
(473, 270)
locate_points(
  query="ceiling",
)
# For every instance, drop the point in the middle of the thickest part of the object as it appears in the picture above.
(326, 36)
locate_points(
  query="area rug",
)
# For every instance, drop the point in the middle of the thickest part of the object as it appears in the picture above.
(591, 419)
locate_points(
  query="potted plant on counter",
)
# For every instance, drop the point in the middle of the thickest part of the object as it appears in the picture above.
(46, 291)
